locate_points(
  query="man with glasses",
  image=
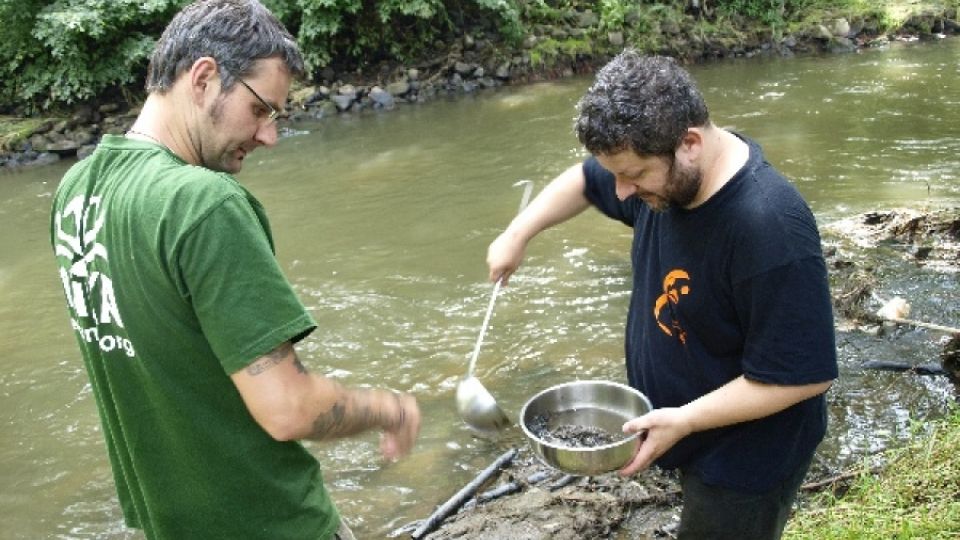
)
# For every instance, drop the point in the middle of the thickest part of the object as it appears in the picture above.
(184, 317)
(730, 326)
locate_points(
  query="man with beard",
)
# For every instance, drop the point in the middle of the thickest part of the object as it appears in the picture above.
(184, 317)
(730, 326)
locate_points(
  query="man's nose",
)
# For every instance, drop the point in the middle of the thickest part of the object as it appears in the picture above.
(267, 134)
(625, 189)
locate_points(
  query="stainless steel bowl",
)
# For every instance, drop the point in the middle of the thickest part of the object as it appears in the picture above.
(592, 404)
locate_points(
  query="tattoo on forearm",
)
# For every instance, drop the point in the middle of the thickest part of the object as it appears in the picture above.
(349, 416)
(330, 423)
(299, 365)
(271, 359)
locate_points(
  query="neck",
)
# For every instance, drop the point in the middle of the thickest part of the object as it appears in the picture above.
(161, 121)
(724, 154)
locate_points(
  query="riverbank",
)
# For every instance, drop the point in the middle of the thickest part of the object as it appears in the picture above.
(477, 63)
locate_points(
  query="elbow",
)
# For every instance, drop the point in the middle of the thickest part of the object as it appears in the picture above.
(282, 422)
(282, 427)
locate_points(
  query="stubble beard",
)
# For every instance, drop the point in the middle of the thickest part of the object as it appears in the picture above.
(681, 189)
(212, 156)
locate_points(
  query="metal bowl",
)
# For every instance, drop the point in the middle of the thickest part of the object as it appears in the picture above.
(589, 405)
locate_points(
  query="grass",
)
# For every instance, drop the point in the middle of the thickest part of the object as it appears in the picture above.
(916, 496)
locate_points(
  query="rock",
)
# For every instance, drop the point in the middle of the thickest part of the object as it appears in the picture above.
(842, 45)
(65, 147)
(615, 38)
(503, 71)
(85, 150)
(347, 90)
(413, 74)
(840, 27)
(44, 158)
(343, 102)
(302, 96)
(820, 32)
(529, 42)
(381, 98)
(399, 88)
(463, 68)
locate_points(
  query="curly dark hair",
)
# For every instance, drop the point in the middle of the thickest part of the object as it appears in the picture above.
(641, 103)
(236, 33)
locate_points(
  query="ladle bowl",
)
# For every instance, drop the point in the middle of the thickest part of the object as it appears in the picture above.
(478, 408)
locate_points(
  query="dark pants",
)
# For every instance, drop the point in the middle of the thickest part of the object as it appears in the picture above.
(713, 513)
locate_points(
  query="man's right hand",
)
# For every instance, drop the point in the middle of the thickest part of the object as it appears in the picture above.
(504, 256)
(398, 439)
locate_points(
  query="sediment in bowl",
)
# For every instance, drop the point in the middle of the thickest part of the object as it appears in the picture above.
(603, 404)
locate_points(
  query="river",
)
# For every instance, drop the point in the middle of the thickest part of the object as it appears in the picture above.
(382, 222)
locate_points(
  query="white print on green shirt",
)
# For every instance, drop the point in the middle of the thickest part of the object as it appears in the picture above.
(80, 282)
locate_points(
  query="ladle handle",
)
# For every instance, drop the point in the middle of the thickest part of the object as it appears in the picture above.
(483, 328)
(524, 199)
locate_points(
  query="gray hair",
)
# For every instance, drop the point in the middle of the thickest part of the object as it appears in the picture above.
(236, 33)
(640, 103)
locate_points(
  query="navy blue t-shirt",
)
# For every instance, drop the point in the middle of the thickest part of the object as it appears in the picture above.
(736, 286)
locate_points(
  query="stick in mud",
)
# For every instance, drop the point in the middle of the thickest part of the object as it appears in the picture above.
(467, 491)
(508, 488)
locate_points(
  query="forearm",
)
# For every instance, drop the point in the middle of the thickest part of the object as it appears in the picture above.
(291, 403)
(335, 411)
(742, 400)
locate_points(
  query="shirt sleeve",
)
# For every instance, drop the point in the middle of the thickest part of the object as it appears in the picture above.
(244, 303)
(789, 321)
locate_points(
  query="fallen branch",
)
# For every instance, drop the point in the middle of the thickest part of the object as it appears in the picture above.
(565, 480)
(922, 324)
(842, 477)
(508, 488)
(920, 369)
(465, 493)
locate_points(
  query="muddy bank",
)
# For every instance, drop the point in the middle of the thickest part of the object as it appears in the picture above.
(561, 507)
(477, 62)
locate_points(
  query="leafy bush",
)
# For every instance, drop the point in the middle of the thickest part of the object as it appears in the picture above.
(355, 32)
(66, 51)
(57, 52)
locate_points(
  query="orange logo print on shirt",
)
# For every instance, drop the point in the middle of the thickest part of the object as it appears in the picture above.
(675, 285)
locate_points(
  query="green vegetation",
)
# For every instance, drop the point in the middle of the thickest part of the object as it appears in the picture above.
(13, 130)
(61, 52)
(917, 495)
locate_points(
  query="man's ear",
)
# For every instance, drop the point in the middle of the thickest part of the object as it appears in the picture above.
(691, 147)
(204, 80)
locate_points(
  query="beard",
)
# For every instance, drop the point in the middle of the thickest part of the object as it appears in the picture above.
(212, 155)
(683, 184)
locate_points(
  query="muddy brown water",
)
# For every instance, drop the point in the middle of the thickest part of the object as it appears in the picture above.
(382, 223)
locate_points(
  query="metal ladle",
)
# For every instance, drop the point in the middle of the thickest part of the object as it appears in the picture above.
(476, 405)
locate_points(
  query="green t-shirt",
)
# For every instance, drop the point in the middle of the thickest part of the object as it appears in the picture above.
(173, 285)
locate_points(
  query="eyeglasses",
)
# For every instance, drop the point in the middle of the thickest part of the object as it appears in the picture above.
(274, 114)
